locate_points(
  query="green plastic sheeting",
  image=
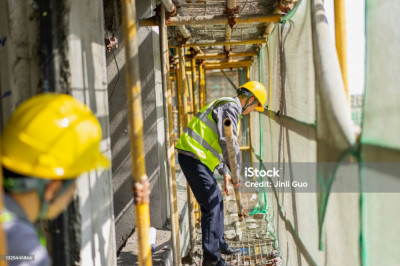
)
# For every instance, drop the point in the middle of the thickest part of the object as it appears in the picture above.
(380, 139)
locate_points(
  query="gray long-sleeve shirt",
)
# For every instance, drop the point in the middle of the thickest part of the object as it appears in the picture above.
(22, 238)
(233, 111)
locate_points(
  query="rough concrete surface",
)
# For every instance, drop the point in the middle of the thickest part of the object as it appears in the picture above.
(250, 235)
(128, 254)
(163, 252)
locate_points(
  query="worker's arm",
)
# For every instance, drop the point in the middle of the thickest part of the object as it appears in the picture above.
(228, 110)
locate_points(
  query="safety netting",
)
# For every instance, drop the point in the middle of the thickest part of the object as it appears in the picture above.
(308, 120)
(380, 139)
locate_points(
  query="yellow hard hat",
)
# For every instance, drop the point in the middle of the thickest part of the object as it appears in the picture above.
(259, 91)
(52, 136)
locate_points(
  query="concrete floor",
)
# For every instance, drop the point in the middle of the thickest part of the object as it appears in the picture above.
(128, 254)
(250, 235)
(163, 252)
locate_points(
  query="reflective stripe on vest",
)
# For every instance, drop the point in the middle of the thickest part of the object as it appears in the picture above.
(5, 216)
(201, 135)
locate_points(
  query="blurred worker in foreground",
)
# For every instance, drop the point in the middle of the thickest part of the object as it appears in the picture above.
(202, 148)
(47, 143)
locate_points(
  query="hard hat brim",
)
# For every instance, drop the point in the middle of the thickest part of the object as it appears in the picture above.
(99, 162)
(102, 161)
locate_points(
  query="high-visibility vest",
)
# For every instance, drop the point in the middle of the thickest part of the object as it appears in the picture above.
(201, 135)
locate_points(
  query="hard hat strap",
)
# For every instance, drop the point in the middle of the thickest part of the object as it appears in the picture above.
(45, 204)
(248, 94)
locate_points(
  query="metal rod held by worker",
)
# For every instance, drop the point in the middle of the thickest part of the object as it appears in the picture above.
(228, 130)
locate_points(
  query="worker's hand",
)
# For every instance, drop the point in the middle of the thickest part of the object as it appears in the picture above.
(227, 180)
(141, 191)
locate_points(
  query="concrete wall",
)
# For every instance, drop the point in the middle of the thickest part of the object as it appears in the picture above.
(19, 54)
(153, 132)
(77, 65)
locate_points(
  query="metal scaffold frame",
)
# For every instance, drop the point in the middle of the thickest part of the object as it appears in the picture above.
(232, 51)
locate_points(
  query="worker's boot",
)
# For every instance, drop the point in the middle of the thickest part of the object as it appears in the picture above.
(220, 262)
(227, 250)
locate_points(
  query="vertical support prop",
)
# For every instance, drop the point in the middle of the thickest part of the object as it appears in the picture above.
(136, 130)
(248, 73)
(202, 85)
(178, 97)
(195, 109)
(194, 87)
(228, 130)
(249, 119)
(184, 112)
(341, 45)
(169, 141)
(3, 240)
(190, 94)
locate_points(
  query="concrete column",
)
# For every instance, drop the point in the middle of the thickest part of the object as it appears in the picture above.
(84, 51)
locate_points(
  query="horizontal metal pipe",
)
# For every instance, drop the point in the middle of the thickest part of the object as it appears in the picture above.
(187, 69)
(211, 20)
(208, 62)
(224, 55)
(169, 5)
(219, 43)
(224, 66)
(185, 32)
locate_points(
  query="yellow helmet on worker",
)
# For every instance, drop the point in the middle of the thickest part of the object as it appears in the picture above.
(258, 90)
(52, 136)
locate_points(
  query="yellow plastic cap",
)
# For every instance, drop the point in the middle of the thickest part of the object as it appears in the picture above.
(259, 91)
(52, 136)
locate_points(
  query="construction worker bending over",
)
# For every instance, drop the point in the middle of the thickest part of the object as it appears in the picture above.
(47, 143)
(202, 148)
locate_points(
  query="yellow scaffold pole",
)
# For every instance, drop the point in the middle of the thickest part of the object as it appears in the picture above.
(3, 241)
(141, 184)
(169, 141)
(185, 121)
(249, 119)
(194, 87)
(341, 45)
(202, 94)
(195, 110)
